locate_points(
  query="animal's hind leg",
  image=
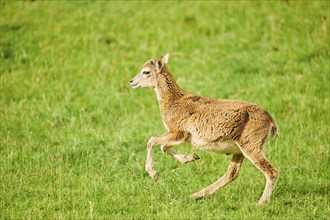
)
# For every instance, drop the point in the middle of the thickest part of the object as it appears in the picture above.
(256, 156)
(230, 175)
(182, 158)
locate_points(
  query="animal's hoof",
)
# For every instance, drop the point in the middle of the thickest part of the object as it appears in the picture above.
(191, 157)
(152, 173)
(196, 157)
(262, 203)
(196, 196)
(154, 176)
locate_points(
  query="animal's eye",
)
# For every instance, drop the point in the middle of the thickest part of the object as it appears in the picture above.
(151, 62)
(146, 72)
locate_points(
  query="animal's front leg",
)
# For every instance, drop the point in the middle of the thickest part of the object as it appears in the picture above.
(180, 157)
(170, 138)
(149, 163)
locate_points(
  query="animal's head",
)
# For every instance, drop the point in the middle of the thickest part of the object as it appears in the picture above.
(148, 75)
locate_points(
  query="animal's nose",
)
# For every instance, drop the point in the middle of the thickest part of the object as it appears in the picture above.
(131, 81)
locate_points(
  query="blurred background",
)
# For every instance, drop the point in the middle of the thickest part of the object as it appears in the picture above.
(73, 132)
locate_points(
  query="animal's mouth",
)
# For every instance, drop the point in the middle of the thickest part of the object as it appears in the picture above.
(134, 85)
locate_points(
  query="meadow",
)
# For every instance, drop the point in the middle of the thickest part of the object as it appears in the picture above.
(73, 133)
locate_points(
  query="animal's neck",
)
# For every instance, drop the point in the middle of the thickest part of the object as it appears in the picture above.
(167, 90)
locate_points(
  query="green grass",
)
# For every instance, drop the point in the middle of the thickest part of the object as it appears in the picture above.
(74, 134)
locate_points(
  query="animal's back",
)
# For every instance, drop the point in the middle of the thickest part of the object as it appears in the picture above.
(214, 120)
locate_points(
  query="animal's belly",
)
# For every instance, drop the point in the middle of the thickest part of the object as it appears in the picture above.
(222, 147)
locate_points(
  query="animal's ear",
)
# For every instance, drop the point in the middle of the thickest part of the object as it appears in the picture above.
(165, 58)
(159, 64)
(161, 61)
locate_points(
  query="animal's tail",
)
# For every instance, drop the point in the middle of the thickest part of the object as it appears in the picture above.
(273, 128)
(274, 131)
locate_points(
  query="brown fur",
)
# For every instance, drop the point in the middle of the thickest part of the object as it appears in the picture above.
(223, 126)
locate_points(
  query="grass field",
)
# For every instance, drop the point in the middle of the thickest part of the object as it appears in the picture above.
(74, 134)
